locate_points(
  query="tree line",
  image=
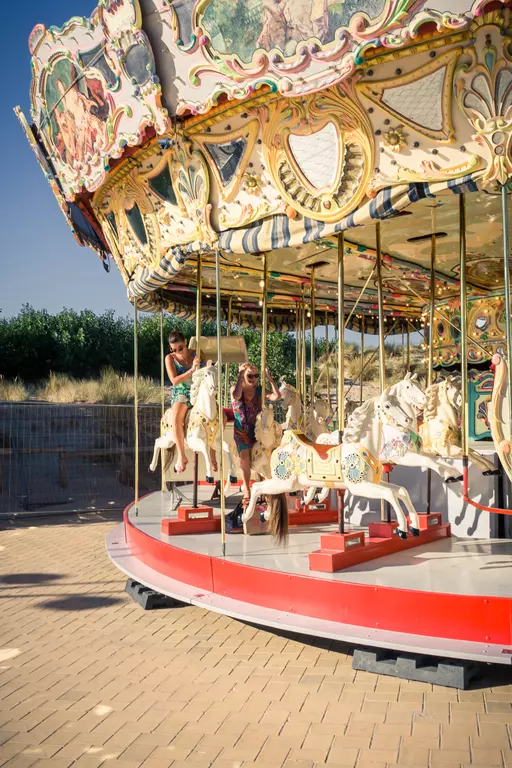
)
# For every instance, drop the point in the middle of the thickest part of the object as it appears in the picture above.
(35, 343)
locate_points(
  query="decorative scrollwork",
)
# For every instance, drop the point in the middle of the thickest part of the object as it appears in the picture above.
(484, 94)
(328, 178)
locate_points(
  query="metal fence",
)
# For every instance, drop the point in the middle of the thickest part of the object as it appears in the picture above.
(73, 457)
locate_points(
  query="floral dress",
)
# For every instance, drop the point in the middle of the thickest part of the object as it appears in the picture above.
(181, 392)
(246, 412)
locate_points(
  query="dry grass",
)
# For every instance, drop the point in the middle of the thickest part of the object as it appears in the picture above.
(111, 388)
(12, 391)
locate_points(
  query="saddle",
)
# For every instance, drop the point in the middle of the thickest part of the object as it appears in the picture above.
(320, 449)
(323, 462)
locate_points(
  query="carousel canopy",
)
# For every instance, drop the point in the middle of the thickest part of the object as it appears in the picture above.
(169, 130)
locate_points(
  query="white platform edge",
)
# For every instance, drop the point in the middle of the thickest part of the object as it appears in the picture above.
(122, 557)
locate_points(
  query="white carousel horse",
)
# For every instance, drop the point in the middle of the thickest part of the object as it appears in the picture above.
(203, 434)
(499, 414)
(297, 463)
(293, 404)
(268, 436)
(440, 433)
(316, 415)
(412, 400)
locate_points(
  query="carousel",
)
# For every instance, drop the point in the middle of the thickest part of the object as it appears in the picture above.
(309, 167)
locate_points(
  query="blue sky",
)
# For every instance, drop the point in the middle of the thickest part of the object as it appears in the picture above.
(42, 264)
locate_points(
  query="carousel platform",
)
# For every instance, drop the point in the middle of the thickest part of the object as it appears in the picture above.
(450, 598)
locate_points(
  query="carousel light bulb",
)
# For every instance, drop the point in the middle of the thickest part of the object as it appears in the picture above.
(262, 283)
(260, 303)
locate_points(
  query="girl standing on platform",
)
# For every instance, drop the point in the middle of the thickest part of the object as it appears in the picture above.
(246, 398)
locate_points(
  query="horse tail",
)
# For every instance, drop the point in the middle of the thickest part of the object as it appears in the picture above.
(278, 520)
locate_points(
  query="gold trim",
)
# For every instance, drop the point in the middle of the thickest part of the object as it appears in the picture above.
(374, 91)
(249, 131)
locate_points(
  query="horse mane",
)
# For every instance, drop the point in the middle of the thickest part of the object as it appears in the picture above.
(197, 380)
(357, 425)
(432, 402)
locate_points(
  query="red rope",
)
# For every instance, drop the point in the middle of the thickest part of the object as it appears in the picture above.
(473, 503)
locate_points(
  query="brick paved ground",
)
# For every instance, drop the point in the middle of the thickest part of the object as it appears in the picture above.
(88, 679)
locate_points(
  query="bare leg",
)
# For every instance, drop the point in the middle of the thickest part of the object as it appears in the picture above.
(178, 413)
(245, 468)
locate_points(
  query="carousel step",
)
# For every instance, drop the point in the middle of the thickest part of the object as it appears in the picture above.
(450, 673)
(328, 560)
(191, 520)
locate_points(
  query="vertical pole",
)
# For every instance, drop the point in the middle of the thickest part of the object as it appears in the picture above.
(506, 275)
(463, 328)
(199, 312)
(312, 336)
(408, 356)
(219, 405)
(382, 356)
(298, 363)
(430, 369)
(304, 359)
(162, 384)
(264, 327)
(341, 338)
(385, 511)
(362, 362)
(327, 362)
(341, 364)
(228, 333)
(136, 400)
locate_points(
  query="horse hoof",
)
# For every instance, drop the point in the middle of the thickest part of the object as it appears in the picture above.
(292, 493)
(233, 480)
(401, 534)
(209, 480)
(414, 531)
(491, 472)
(262, 517)
(458, 479)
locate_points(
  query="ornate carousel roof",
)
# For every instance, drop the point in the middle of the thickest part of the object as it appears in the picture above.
(172, 128)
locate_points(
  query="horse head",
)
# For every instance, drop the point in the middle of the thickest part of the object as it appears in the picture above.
(451, 389)
(390, 412)
(288, 393)
(411, 392)
(320, 411)
(266, 428)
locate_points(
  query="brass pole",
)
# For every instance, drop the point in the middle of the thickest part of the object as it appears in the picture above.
(304, 358)
(228, 333)
(199, 312)
(430, 369)
(298, 349)
(408, 356)
(385, 511)
(136, 400)
(162, 384)
(431, 319)
(265, 326)
(312, 356)
(362, 362)
(219, 406)
(506, 274)
(327, 372)
(463, 327)
(382, 355)
(341, 338)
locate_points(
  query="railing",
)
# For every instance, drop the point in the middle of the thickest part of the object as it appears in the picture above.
(75, 457)
(72, 457)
